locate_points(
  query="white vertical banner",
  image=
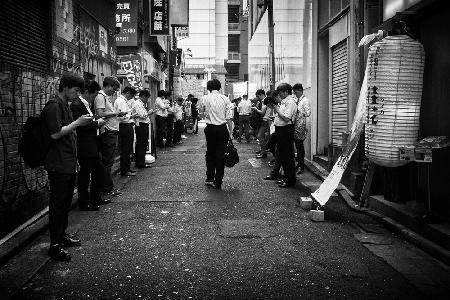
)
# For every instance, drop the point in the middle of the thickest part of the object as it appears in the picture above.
(323, 193)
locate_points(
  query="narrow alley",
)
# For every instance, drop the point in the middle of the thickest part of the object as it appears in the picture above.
(171, 237)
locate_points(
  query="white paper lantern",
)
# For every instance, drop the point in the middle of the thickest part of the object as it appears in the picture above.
(394, 84)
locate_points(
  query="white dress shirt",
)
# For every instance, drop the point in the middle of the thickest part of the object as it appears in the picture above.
(141, 112)
(244, 108)
(288, 108)
(217, 108)
(161, 107)
(103, 101)
(123, 105)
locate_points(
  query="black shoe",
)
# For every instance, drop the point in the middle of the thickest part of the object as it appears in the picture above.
(301, 170)
(129, 173)
(58, 253)
(258, 152)
(70, 241)
(270, 177)
(209, 182)
(281, 181)
(102, 202)
(286, 185)
(112, 193)
(89, 207)
(261, 156)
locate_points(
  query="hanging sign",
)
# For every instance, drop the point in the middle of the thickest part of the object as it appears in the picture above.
(126, 20)
(159, 17)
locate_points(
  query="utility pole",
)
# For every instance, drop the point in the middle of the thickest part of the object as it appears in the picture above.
(269, 4)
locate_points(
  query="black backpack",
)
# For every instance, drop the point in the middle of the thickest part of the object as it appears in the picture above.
(35, 141)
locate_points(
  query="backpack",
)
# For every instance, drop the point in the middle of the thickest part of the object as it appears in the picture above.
(35, 140)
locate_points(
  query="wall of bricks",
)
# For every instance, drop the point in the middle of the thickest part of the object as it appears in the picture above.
(75, 47)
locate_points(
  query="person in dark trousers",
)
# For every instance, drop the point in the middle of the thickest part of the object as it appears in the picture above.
(124, 104)
(218, 113)
(170, 121)
(194, 112)
(104, 108)
(142, 122)
(161, 111)
(61, 162)
(178, 125)
(90, 175)
(284, 130)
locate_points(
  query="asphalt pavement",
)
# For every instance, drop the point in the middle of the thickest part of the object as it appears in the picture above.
(171, 237)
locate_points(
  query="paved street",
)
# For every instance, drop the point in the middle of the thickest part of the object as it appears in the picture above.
(171, 237)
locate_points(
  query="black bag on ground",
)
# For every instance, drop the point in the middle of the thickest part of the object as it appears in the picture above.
(35, 141)
(231, 155)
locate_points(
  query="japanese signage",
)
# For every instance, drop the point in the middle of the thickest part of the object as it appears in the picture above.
(131, 67)
(159, 17)
(181, 32)
(103, 39)
(126, 19)
(179, 12)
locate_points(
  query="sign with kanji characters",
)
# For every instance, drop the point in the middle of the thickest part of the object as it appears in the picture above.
(181, 32)
(126, 18)
(159, 17)
(130, 66)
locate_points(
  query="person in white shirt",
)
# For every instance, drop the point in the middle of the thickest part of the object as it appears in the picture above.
(162, 111)
(124, 104)
(264, 130)
(284, 130)
(141, 128)
(178, 125)
(244, 110)
(300, 130)
(218, 114)
(104, 108)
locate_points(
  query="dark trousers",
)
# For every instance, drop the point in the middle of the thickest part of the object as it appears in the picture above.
(285, 151)
(244, 126)
(61, 193)
(161, 123)
(169, 136)
(142, 134)
(216, 141)
(91, 174)
(178, 130)
(264, 135)
(272, 143)
(126, 135)
(300, 147)
(108, 144)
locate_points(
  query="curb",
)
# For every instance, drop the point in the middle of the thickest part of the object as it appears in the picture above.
(37, 225)
(428, 246)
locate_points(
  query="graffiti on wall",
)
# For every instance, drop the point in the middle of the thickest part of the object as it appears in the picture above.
(64, 19)
(131, 68)
(22, 93)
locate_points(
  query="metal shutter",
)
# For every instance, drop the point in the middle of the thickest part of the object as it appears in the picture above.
(339, 91)
(25, 33)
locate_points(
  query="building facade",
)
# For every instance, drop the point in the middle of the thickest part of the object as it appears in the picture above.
(41, 40)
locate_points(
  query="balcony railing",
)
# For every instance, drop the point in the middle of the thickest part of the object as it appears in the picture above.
(233, 27)
(234, 56)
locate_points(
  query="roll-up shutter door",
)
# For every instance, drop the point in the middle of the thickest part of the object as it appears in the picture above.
(339, 91)
(25, 28)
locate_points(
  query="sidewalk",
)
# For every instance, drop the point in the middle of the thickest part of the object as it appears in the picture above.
(397, 219)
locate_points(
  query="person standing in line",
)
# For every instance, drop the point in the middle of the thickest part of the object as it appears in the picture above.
(124, 104)
(218, 114)
(104, 108)
(264, 129)
(178, 126)
(235, 103)
(142, 122)
(284, 130)
(244, 111)
(61, 162)
(194, 113)
(91, 168)
(300, 132)
(161, 110)
(170, 120)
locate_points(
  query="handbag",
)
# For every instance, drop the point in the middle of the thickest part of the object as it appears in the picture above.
(231, 155)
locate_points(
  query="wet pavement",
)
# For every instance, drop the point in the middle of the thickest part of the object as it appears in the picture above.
(171, 237)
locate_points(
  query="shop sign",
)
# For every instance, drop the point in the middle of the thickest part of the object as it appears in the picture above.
(159, 17)
(181, 32)
(126, 19)
(131, 67)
